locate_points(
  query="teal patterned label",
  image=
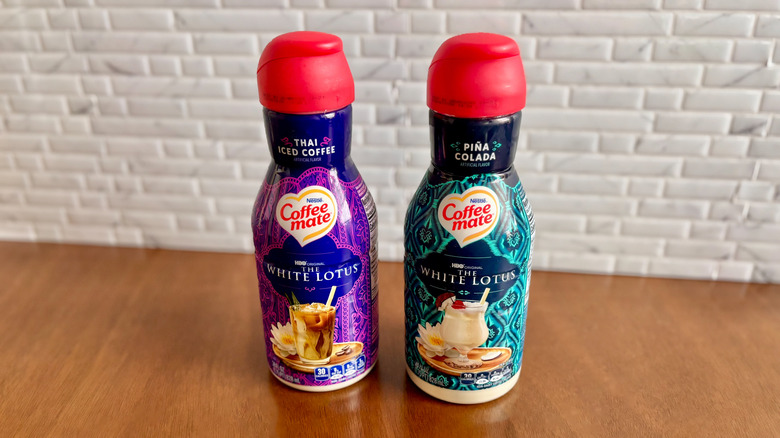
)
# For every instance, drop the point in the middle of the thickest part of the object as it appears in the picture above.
(467, 266)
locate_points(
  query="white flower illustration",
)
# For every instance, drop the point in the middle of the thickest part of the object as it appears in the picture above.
(282, 337)
(431, 340)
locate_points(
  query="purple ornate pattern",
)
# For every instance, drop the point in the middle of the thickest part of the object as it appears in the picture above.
(355, 311)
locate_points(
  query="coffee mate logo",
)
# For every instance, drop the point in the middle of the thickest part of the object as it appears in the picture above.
(469, 216)
(308, 215)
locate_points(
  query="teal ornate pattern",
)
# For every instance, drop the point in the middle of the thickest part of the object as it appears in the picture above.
(509, 243)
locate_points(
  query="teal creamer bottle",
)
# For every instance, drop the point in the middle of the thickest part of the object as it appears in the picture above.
(469, 228)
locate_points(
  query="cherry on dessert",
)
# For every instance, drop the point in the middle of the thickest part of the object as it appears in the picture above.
(442, 298)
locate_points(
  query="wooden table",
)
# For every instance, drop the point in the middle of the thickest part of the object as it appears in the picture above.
(124, 342)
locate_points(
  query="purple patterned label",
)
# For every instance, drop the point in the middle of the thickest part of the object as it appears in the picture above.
(315, 248)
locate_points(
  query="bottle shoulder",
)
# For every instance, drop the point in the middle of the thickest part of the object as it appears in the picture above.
(343, 172)
(437, 185)
(436, 175)
(344, 186)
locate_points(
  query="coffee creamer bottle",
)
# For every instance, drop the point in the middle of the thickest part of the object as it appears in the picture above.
(469, 228)
(314, 221)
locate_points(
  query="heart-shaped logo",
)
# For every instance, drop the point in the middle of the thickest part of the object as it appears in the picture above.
(307, 215)
(471, 215)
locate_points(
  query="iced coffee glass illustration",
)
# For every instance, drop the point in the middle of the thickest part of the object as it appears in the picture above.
(312, 326)
(464, 328)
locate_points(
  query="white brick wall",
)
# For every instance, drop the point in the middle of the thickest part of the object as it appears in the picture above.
(650, 145)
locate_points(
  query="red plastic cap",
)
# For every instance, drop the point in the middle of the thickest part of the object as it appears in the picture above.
(305, 73)
(477, 75)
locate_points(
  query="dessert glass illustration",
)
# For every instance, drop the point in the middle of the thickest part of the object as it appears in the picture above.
(464, 328)
(312, 326)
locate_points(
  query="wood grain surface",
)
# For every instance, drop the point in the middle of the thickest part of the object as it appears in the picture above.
(111, 342)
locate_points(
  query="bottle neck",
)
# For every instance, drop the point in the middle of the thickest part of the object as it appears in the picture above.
(474, 146)
(309, 140)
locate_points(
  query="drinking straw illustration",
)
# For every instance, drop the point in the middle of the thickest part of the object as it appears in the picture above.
(484, 296)
(330, 297)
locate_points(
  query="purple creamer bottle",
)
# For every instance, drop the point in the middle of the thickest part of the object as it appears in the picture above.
(314, 221)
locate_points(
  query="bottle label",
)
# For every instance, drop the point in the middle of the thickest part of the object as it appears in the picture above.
(304, 150)
(476, 153)
(467, 267)
(316, 260)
